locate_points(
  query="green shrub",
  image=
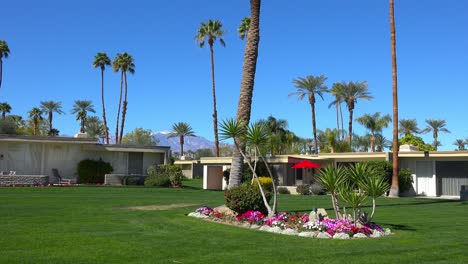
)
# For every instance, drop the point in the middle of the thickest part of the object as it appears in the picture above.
(303, 189)
(245, 197)
(93, 171)
(134, 180)
(317, 189)
(283, 190)
(266, 182)
(164, 176)
(405, 180)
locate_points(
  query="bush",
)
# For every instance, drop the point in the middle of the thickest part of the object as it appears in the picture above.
(93, 171)
(384, 169)
(244, 198)
(266, 182)
(134, 180)
(317, 189)
(283, 190)
(405, 180)
(164, 176)
(303, 189)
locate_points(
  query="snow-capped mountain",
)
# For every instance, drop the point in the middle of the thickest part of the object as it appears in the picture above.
(190, 143)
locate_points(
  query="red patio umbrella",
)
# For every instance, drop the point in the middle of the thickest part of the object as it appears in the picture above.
(305, 164)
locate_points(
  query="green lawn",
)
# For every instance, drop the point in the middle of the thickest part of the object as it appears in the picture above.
(94, 225)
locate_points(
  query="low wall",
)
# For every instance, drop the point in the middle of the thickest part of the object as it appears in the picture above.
(11, 180)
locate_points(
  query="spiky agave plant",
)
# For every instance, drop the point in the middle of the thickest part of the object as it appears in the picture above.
(375, 187)
(332, 179)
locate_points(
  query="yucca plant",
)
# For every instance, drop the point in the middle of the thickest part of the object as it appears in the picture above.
(375, 187)
(332, 179)
(353, 198)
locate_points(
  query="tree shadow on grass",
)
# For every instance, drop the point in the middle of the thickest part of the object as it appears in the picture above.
(398, 227)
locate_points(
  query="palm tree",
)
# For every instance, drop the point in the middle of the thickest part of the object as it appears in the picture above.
(350, 93)
(101, 60)
(244, 106)
(460, 143)
(35, 115)
(243, 28)
(436, 126)
(374, 123)
(5, 108)
(382, 143)
(311, 86)
(181, 130)
(337, 92)
(50, 107)
(210, 32)
(125, 63)
(81, 109)
(408, 126)
(4, 52)
(94, 127)
(394, 190)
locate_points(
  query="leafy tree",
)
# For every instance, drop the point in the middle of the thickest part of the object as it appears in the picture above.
(18, 123)
(4, 53)
(374, 123)
(350, 93)
(394, 191)
(125, 63)
(244, 106)
(203, 152)
(101, 60)
(361, 143)
(7, 127)
(382, 143)
(417, 142)
(436, 126)
(210, 32)
(309, 87)
(182, 130)
(94, 127)
(139, 137)
(337, 92)
(81, 109)
(35, 115)
(53, 132)
(5, 108)
(409, 126)
(50, 107)
(225, 150)
(460, 144)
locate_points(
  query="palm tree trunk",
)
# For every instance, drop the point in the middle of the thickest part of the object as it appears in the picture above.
(3, 115)
(338, 121)
(244, 106)
(181, 141)
(215, 112)
(314, 127)
(372, 142)
(82, 125)
(106, 129)
(342, 123)
(394, 191)
(118, 110)
(50, 121)
(1, 72)
(350, 124)
(124, 108)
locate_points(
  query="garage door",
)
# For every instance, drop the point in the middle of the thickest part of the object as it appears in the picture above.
(451, 175)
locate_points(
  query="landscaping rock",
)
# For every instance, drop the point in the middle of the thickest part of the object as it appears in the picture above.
(323, 235)
(246, 225)
(307, 234)
(254, 226)
(322, 214)
(313, 216)
(359, 235)
(341, 236)
(226, 211)
(276, 229)
(387, 231)
(376, 234)
(197, 215)
(265, 228)
(290, 232)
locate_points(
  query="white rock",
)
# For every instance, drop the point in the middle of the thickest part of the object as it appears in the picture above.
(247, 225)
(265, 228)
(255, 226)
(323, 235)
(307, 234)
(341, 236)
(289, 231)
(359, 235)
(276, 229)
(387, 231)
(376, 234)
(197, 215)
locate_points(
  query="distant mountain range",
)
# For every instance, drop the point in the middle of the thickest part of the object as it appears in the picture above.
(190, 143)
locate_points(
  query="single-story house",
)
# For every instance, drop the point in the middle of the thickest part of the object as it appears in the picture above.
(435, 173)
(30, 155)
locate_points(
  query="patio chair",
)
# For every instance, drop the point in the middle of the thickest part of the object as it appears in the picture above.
(61, 180)
(12, 173)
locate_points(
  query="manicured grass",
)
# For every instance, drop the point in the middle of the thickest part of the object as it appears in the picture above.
(94, 225)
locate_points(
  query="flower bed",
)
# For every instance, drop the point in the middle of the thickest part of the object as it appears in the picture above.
(295, 224)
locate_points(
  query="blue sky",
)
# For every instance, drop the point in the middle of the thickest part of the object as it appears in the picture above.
(53, 44)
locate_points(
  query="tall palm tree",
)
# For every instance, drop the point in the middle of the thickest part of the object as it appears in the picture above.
(181, 130)
(351, 92)
(337, 92)
(309, 87)
(394, 190)
(374, 123)
(81, 109)
(94, 127)
(50, 107)
(436, 126)
(244, 106)
(125, 63)
(382, 143)
(4, 52)
(460, 144)
(277, 129)
(101, 60)
(5, 108)
(210, 32)
(408, 126)
(243, 28)
(35, 115)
